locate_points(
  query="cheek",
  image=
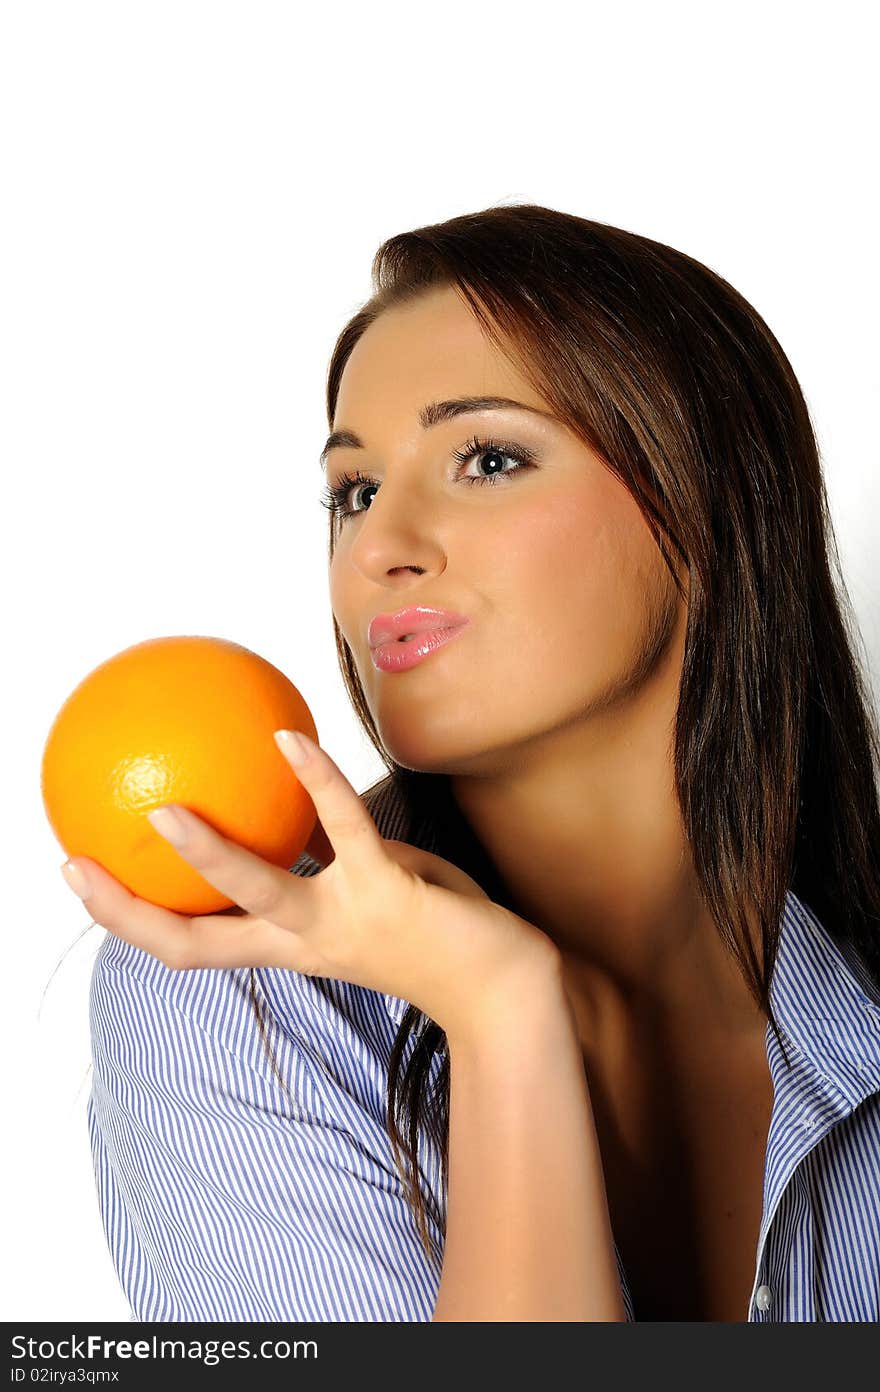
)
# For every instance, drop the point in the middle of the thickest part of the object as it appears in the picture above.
(335, 589)
(342, 599)
(574, 579)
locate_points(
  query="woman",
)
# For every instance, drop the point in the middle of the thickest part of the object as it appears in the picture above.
(608, 930)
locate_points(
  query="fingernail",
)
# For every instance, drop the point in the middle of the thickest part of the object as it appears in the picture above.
(76, 879)
(168, 824)
(294, 746)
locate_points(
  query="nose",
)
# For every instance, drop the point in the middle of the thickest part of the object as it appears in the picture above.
(399, 532)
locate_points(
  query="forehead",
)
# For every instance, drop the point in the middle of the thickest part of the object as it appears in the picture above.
(431, 348)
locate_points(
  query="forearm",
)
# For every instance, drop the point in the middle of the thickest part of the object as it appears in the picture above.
(528, 1235)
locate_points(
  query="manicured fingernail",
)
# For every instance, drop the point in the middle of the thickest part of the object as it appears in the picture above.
(76, 879)
(293, 745)
(169, 825)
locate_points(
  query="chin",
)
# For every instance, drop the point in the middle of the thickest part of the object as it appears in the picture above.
(418, 751)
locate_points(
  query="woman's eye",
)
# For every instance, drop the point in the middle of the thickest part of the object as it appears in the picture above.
(337, 497)
(497, 458)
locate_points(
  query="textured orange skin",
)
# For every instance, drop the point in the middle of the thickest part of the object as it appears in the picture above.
(183, 719)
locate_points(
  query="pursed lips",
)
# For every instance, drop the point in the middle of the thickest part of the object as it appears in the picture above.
(408, 623)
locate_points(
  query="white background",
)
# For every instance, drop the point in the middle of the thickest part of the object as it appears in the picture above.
(192, 194)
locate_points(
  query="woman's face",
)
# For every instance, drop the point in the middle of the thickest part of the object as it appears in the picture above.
(553, 563)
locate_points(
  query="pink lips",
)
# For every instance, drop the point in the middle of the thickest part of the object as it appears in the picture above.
(387, 628)
(433, 629)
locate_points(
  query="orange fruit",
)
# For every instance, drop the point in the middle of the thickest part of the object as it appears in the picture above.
(182, 719)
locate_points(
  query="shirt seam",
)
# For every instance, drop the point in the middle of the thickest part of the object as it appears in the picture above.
(231, 1053)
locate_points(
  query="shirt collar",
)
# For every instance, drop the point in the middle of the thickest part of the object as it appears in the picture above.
(396, 1007)
(827, 1004)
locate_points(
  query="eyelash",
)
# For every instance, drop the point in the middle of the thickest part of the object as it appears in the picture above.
(333, 497)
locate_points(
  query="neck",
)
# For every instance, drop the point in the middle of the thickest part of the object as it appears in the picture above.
(585, 832)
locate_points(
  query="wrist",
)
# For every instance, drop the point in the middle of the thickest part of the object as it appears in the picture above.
(529, 1002)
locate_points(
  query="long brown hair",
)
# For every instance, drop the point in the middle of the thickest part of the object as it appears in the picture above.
(669, 374)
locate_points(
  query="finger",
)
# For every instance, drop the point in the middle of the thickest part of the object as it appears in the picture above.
(161, 932)
(260, 888)
(351, 831)
(182, 943)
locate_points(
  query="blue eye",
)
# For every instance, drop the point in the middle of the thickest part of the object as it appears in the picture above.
(335, 496)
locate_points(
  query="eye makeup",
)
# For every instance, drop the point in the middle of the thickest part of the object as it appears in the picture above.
(335, 496)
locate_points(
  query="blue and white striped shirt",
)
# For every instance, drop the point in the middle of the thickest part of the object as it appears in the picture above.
(225, 1197)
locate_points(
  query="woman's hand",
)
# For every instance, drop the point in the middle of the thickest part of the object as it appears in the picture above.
(382, 914)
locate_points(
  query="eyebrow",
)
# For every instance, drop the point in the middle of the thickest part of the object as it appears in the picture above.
(434, 414)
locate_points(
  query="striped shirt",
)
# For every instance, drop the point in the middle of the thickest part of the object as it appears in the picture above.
(227, 1196)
